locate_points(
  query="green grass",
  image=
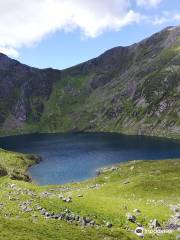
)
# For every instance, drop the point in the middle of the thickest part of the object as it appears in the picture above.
(15, 164)
(152, 187)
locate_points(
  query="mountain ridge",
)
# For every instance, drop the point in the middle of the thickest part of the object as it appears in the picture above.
(132, 90)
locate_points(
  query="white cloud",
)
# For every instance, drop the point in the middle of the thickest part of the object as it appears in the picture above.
(177, 16)
(26, 22)
(148, 3)
(23, 23)
(163, 18)
(9, 51)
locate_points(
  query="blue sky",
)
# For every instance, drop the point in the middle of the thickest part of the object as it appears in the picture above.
(63, 33)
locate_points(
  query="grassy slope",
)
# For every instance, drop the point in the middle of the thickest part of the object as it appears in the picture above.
(153, 186)
(15, 164)
(154, 112)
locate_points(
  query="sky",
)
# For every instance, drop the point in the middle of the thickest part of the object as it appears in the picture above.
(63, 33)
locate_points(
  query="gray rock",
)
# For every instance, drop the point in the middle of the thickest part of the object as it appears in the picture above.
(114, 169)
(67, 211)
(43, 211)
(61, 196)
(68, 199)
(28, 209)
(87, 219)
(45, 194)
(109, 225)
(12, 198)
(39, 208)
(92, 223)
(82, 221)
(77, 218)
(137, 211)
(154, 223)
(47, 214)
(80, 195)
(126, 182)
(131, 217)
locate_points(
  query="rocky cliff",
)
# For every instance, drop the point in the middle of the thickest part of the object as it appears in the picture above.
(133, 90)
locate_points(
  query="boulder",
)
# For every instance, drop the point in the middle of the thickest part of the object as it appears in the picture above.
(126, 182)
(109, 225)
(154, 223)
(80, 195)
(137, 211)
(131, 217)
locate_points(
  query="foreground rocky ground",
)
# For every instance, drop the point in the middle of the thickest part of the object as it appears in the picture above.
(121, 203)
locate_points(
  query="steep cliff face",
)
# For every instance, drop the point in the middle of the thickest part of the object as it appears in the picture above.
(133, 90)
(23, 92)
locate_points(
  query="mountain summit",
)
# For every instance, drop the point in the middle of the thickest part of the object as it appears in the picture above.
(134, 90)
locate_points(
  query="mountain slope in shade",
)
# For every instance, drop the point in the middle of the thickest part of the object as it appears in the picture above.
(134, 90)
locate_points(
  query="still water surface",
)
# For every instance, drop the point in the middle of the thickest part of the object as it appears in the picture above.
(77, 156)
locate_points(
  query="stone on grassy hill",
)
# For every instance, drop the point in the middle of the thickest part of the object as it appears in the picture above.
(131, 217)
(174, 222)
(154, 223)
(114, 168)
(82, 221)
(126, 182)
(139, 224)
(12, 198)
(68, 216)
(39, 208)
(137, 211)
(95, 186)
(55, 216)
(29, 193)
(92, 223)
(175, 208)
(47, 214)
(109, 225)
(61, 196)
(67, 210)
(43, 211)
(11, 185)
(28, 209)
(25, 208)
(67, 199)
(45, 194)
(80, 195)
(77, 218)
(98, 172)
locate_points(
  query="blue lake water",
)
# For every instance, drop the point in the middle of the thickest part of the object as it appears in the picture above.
(77, 156)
